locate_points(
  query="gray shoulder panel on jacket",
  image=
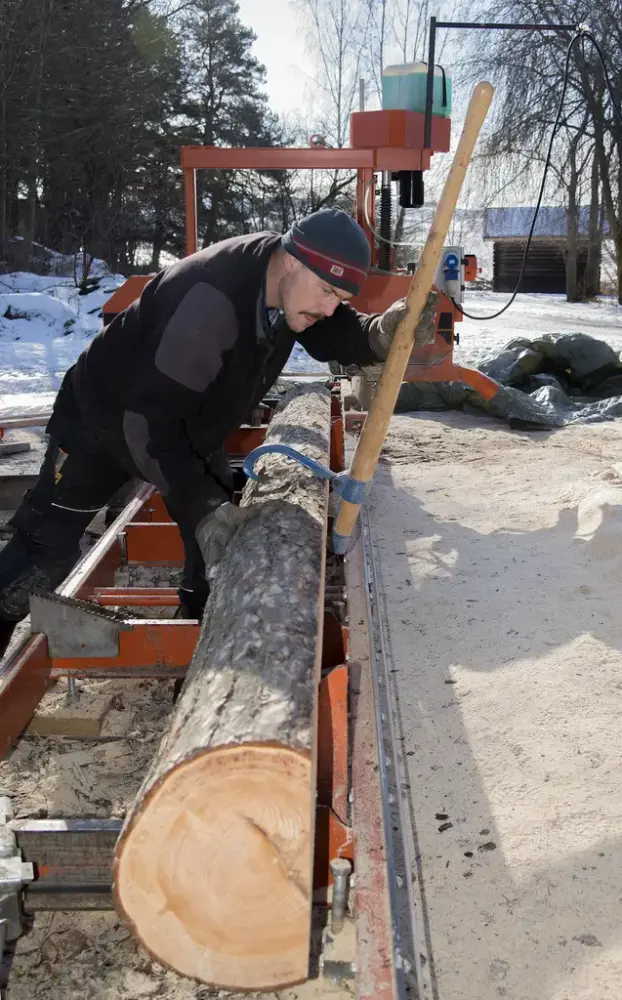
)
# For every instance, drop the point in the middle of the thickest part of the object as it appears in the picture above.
(201, 329)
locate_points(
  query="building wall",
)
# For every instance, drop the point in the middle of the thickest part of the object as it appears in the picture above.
(546, 265)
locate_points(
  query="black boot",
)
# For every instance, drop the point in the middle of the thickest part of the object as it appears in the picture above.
(6, 631)
(192, 602)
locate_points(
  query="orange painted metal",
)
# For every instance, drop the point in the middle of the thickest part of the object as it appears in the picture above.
(336, 444)
(125, 295)
(190, 205)
(333, 648)
(136, 597)
(154, 544)
(403, 159)
(242, 440)
(24, 676)
(428, 362)
(380, 290)
(150, 644)
(333, 839)
(154, 509)
(470, 267)
(365, 198)
(431, 362)
(275, 158)
(23, 682)
(332, 764)
(399, 130)
(486, 387)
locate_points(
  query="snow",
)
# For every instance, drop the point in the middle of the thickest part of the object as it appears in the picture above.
(531, 316)
(44, 325)
(68, 265)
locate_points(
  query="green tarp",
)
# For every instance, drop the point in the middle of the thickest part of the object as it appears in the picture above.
(550, 382)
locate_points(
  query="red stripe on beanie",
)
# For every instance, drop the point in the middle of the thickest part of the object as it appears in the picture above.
(330, 266)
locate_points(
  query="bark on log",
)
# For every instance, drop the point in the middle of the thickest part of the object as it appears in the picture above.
(213, 868)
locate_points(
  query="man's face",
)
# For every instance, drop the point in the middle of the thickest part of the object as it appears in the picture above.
(305, 297)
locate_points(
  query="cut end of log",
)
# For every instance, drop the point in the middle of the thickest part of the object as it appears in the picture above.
(213, 872)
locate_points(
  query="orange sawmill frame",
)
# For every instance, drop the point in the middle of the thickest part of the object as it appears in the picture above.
(145, 535)
(379, 141)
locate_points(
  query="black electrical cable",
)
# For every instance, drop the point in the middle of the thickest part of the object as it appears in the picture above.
(581, 34)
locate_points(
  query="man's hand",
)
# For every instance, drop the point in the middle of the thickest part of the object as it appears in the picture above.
(214, 533)
(383, 328)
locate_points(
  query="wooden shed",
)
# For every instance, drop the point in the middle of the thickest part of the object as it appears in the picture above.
(508, 229)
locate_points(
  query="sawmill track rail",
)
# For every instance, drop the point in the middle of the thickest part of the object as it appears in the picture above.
(406, 945)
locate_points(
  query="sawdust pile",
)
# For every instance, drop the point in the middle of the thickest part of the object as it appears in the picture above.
(500, 560)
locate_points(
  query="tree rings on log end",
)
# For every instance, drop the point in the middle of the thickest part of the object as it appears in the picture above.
(214, 873)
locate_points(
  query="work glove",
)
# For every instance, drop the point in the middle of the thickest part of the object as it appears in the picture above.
(337, 369)
(214, 533)
(383, 327)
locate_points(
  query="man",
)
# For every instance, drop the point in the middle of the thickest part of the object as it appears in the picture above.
(158, 390)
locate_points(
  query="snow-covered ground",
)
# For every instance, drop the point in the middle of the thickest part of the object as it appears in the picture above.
(45, 323)
(531, 316)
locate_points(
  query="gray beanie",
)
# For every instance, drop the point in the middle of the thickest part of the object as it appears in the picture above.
(333, 245)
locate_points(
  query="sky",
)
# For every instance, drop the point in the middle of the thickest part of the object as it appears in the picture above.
(281, 47)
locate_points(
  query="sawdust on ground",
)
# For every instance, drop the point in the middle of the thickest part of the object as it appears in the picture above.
(92, 956)
(500, 561)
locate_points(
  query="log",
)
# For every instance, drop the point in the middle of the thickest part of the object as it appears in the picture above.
(213, 867)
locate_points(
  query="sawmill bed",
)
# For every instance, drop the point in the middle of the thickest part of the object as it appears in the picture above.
(69, 793)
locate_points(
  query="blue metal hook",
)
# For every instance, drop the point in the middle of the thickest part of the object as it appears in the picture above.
(284, 449)
(352, 490)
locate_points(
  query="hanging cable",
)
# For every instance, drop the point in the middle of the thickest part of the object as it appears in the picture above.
(379, 236)
(581, 33)
(547, 164)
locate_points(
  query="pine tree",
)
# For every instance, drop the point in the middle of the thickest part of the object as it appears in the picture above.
(96, 101)
(225, 107)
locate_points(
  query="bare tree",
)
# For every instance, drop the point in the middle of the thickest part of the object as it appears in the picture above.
(528, 71)
(338, 31)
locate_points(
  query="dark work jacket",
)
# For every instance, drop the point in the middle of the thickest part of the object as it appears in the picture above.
(168, 379)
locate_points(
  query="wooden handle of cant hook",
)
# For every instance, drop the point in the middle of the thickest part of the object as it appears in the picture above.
(383, 404)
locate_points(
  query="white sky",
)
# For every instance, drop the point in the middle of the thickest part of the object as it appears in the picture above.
(281, 47)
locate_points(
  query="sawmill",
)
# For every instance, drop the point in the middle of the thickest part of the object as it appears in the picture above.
(270, 844)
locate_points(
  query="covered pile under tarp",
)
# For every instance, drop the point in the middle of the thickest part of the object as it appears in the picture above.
(556, 380)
